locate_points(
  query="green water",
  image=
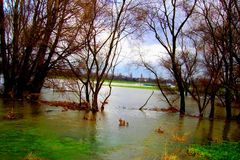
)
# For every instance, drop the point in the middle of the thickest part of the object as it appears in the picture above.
(49, 133)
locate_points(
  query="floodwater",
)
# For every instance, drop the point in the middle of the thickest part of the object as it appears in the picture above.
(47, 132)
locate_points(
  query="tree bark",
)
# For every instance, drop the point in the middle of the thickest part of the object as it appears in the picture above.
(181, 89)
(182, 101)
(36, 85)
(95, 103)
(228, 102)
(212, 99)
(87, 93)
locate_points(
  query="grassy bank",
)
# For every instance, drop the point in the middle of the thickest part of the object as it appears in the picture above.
(216, 151)
(132, 84)
(128, 82)
(136, 87)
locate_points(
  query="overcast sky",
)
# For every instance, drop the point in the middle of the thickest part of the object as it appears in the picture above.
(149, 49)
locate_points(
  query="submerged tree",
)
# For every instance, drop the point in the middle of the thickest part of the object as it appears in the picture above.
(106, 23)
(222, 39)
(166, 20)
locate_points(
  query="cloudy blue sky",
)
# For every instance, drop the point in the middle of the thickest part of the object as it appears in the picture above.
(132, 48)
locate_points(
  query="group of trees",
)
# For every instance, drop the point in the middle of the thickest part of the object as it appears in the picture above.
(84, 36)
(34, 36)
(107, 24)
(200, 39)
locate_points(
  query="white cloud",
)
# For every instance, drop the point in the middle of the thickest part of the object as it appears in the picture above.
(132, 49)
(152, 52)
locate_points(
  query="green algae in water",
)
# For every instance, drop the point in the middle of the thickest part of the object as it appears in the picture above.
(18, 143)
(216, 151)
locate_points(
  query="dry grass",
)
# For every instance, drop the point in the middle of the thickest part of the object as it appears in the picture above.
(170, 109)
(159, 130)
(179, 138)
(66, 105)
(10, 115)
(169, 157)
(31, 156)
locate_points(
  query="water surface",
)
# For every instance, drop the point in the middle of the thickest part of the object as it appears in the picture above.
(47, 132)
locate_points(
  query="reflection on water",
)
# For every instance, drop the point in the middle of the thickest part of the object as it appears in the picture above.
(48, 132)
(226, 130)
(210, 133)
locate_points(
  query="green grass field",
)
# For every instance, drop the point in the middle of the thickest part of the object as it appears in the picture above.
(128, 82)
(137, 87)
(132, 84)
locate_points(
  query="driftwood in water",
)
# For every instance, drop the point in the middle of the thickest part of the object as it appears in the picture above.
(123, 123)
(146, 101)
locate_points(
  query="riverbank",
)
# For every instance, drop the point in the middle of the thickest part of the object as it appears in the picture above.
(216, 151)
(134, 84)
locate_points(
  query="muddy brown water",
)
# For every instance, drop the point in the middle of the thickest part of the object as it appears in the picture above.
(47, 132)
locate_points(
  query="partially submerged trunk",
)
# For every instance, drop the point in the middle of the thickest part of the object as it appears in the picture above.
(228, 102)
(182, 102)
(181, 89)
(212, 110)
(95, 100)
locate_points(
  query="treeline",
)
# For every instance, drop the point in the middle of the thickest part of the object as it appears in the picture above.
(40, 35)
(68, 74)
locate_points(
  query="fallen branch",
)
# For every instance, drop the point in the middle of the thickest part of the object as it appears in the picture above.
(170, 109)
(146, 101)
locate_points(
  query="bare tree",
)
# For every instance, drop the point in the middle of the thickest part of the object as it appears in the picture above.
(220, 23)
(33, 34)
(164, 89)
(191, 70)
(106, 23)
(167, 20)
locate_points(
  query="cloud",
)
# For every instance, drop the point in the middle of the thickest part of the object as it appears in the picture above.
(131, 50)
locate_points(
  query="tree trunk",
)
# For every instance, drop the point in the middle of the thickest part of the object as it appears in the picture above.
(182, 94)
(228, 102)
(8, 87)
(95, 102)
(211, 115)
(177, 75)
(182, 101)
(35, 87)
(200, 109)
(20, 87)
(87, 94)
(230, 81)
(186, 87)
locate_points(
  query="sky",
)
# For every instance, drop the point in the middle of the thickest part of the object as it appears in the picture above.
(148, 48)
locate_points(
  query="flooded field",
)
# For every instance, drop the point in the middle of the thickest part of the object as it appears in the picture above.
(49, 133)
